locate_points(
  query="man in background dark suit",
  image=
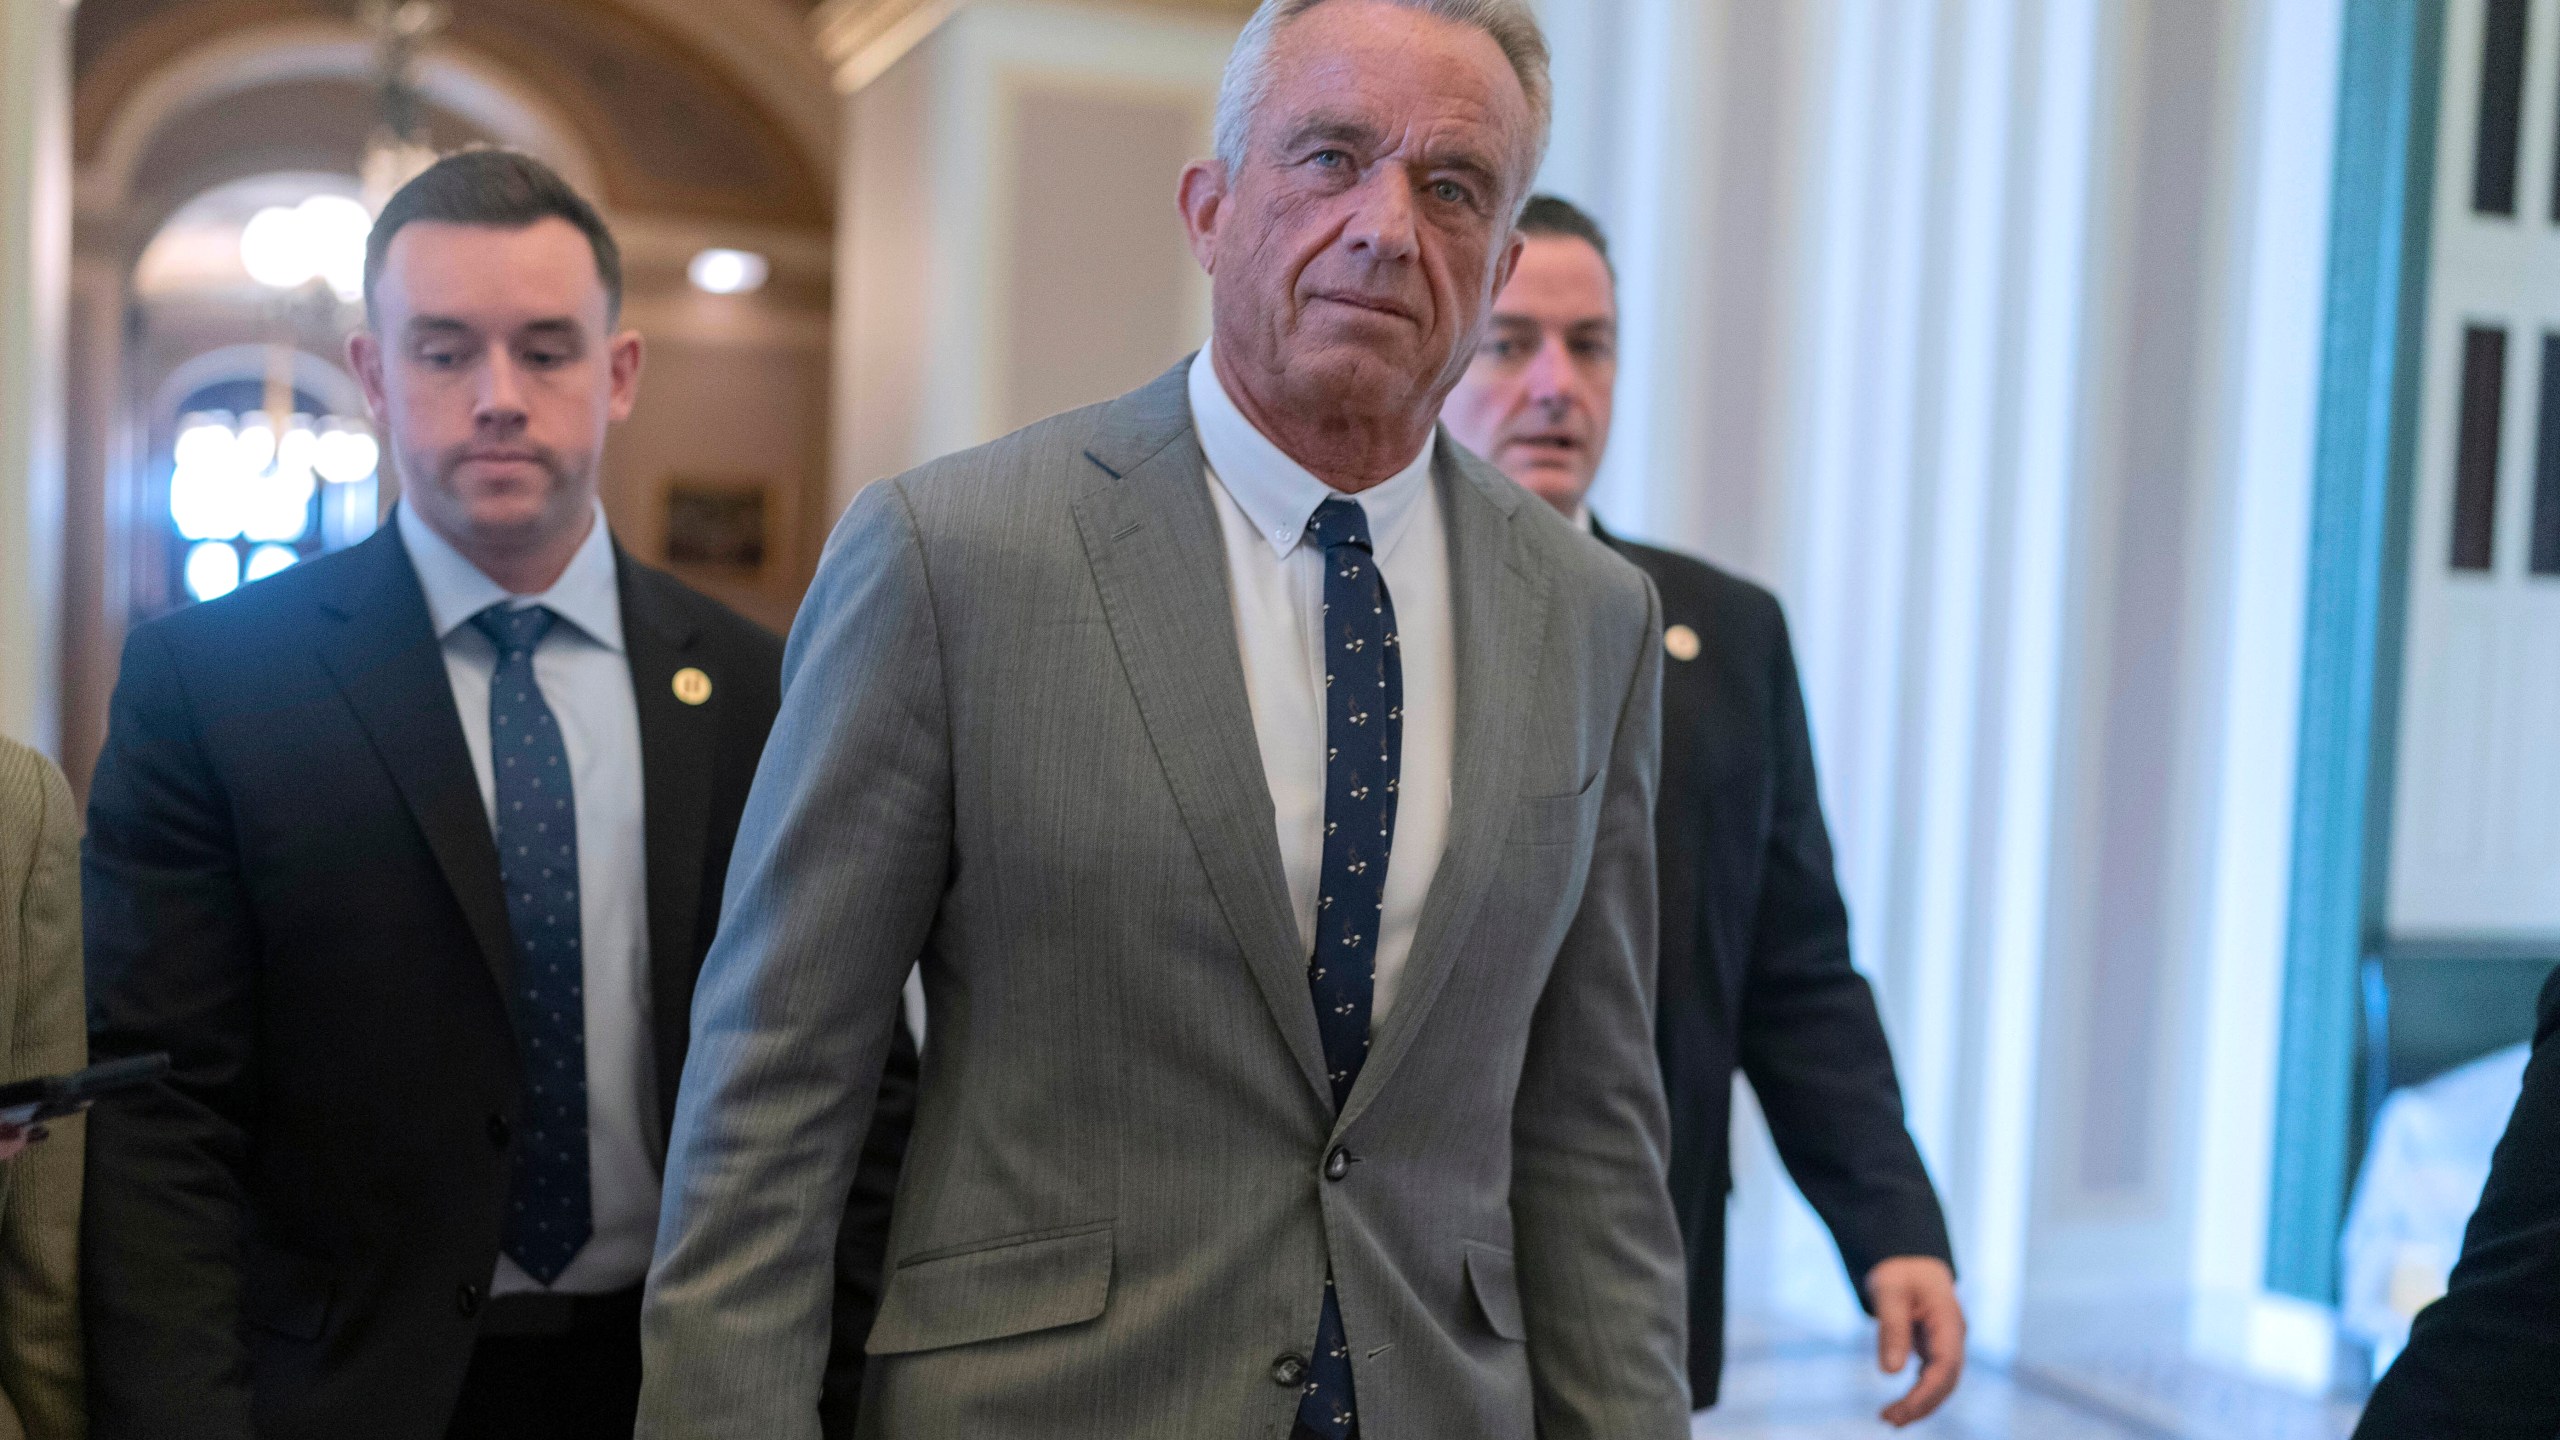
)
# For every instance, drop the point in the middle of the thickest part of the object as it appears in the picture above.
(409, 857)
(2483, 1363)
(1755, 939)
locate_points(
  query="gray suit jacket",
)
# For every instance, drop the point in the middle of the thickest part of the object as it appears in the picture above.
(1015, 749)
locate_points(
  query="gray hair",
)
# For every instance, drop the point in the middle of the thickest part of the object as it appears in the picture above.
(1511, 23)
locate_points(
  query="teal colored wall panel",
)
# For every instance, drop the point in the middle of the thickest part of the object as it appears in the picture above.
(2368, 419)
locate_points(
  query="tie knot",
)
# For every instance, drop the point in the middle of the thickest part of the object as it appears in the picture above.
(1339, 522)
(515, 631)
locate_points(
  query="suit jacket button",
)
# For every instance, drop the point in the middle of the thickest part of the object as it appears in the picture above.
(466, 1301)
(498, 1131)
(1337, 1164)
(1289, 1371)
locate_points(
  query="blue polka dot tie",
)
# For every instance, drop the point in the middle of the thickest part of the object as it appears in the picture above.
(548, 1215)
(1364, 745)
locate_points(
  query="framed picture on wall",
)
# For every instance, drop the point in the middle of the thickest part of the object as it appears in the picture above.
(718, 523)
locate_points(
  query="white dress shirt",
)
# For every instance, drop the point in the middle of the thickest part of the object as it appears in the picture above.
(1276, 581)
(586, 679)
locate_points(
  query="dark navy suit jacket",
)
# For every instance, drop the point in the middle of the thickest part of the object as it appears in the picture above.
(1755, 954)
(290, 886)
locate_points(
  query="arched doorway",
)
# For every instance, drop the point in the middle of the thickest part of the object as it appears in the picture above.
(189, 120)
(253, 447)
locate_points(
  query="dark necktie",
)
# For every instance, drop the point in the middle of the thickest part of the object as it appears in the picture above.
(1364, 754)
(548, 1215)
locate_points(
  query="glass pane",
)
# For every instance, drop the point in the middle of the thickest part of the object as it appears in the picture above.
(2546, 465)
(2493, 157)
(2475, 465)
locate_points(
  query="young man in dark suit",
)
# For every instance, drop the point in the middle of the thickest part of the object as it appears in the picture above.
(409, 857)
(1755, 940)
(2483, 1363)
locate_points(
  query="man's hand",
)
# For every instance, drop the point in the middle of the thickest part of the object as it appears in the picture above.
(14, 1139)
(1916, 1308)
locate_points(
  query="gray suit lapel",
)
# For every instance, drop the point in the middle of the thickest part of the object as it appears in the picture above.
(1152, 539)
(1500, 612)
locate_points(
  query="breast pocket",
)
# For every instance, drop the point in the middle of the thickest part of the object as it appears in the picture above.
(1556, 819)
(1009, 1286)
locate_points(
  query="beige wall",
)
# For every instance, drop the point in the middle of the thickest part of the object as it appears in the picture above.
(1010, 245)
(737, 413)
(1101, 288)
(35, 256)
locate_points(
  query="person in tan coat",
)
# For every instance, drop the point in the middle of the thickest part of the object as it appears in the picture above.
(42, 1032)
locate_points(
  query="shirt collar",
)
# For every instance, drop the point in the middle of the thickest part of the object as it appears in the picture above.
(1278, 494)
(587, 594)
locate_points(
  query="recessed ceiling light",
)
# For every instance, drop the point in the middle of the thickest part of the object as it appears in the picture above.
(728, 272)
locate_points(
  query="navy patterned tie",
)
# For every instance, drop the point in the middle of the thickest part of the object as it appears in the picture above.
(1364, 755)
(548, 1215)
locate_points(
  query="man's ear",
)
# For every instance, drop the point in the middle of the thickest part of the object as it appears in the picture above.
(625, 356)
(364, 356)
(1202, 196)
(1509, 262)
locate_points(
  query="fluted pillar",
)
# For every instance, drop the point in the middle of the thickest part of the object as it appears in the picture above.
(1985, 332)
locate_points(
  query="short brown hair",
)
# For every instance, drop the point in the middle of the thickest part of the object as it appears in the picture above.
(504, 189)
(1551, 215)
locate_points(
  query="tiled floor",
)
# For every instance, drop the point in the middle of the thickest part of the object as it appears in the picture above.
(1781, 1386)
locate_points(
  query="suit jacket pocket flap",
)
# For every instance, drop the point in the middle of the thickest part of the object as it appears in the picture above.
(1011, 1286)
(1554, 819)
(1497, 1289)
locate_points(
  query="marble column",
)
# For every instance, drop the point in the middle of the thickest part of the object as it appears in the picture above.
(35, 257)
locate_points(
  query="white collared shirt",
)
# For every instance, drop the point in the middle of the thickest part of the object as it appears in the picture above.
(1276, 583)
(586, 679)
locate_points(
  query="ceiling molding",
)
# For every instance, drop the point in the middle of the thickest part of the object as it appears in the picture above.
(763, 47)
(861, 39)
(451, 76)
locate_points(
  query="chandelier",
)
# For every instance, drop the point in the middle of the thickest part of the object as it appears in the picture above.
(250, 493)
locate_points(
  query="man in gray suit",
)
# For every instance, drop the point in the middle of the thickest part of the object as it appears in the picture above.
(1264, 786)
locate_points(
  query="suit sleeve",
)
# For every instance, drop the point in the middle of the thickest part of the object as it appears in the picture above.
(1810, 1039)
(840, 865)
(40, 1367)
(1598, 1250)
(862, 1246)
(171, 961)
(2483, 1363)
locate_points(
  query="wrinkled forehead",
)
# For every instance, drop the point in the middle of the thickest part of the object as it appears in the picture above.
(1413, 78)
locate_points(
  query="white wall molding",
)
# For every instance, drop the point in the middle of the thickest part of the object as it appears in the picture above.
(2263, 434)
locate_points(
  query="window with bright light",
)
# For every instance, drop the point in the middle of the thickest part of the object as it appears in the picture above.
(252, 493)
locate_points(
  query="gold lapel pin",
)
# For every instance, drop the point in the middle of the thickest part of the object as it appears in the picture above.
(1680, 640)
(693, 687)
